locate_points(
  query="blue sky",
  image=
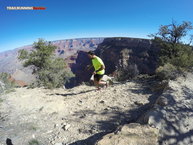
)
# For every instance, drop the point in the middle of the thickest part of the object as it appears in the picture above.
(64, 19)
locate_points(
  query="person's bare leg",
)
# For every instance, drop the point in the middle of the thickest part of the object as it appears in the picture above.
(96, 83)
(102, 83)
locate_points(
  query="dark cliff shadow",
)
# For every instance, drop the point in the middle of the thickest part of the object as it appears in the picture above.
(80, 69)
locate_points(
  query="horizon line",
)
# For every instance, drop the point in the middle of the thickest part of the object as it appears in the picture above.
(74, 38)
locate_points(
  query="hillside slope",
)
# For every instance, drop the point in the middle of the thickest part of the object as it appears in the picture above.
(80, 115)
(84, 116)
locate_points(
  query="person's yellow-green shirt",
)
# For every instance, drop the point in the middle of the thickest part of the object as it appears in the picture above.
(97, 63)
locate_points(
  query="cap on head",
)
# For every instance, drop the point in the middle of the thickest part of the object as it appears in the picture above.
(90, 53)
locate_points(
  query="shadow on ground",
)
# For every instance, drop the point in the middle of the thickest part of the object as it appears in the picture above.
(177, 128)
(73, 94)
(116, 119)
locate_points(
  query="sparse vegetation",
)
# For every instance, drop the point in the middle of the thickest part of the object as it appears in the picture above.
(125, 73)
(34, 142)
(1, 100)
(33, 127)
(6, 85)
(125, 69)
(167, 72)
(51, 72)
(175, 55)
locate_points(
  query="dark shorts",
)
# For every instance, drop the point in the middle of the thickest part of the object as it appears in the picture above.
(98, 77)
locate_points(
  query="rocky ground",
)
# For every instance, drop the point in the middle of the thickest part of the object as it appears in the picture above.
(69, 116)
(84, 116)
(172, 113)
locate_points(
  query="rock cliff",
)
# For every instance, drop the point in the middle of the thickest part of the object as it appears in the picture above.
(127, 57)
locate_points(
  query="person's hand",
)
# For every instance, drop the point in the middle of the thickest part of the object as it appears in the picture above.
(94, 73)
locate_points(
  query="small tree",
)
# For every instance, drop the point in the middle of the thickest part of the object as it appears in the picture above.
(173, 50)
(38, 57)
(173, 33)
(51, 72)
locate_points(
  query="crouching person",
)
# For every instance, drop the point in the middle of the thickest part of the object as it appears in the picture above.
(99, 68)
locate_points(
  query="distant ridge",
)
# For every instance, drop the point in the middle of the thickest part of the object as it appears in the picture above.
(65, 48)
(135, 53)
(53, 41)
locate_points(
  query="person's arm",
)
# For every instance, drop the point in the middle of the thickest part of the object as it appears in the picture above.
(88, 67)
(101, 68)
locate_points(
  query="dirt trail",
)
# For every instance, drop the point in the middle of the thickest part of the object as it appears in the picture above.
(69, 116)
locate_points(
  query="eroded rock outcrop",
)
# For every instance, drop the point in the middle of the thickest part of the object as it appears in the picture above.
(124, 53)
(173, 114)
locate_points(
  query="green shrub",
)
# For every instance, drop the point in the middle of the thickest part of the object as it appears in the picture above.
(54, 75)
(179, 55)
(184, 57)
(166, 72)
(1, 100)
(34, 142)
